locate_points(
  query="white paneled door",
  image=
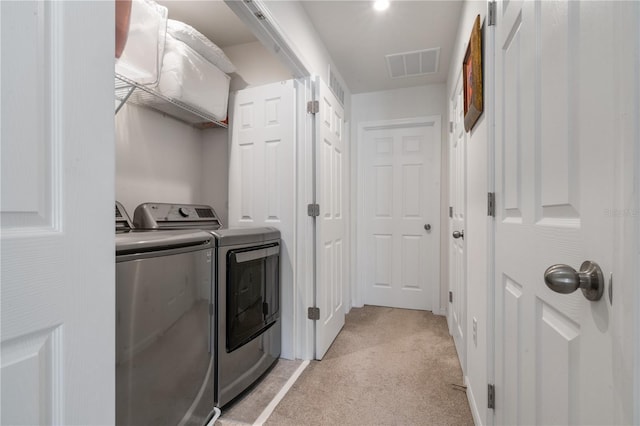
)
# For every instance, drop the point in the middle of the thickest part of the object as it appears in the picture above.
(560, 358)
(400, 214)
(458, 286)
(261, 177)
(331, 249)
(57, 213)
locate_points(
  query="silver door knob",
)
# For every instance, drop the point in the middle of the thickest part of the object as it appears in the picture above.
(564, 279)
(458, 234)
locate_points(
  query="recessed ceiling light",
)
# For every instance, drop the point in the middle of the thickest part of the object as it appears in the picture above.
(381, 5)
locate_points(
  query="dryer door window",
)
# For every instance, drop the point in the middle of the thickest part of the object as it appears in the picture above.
(253, 281)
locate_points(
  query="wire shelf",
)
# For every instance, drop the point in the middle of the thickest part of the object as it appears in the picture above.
(128, 91)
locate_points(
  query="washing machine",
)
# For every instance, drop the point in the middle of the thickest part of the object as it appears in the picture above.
(164, 320)
(246, 282)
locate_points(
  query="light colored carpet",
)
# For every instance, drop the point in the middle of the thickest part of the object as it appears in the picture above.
(387, 367)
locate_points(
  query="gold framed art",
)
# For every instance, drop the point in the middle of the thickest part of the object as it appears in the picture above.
(472, 77)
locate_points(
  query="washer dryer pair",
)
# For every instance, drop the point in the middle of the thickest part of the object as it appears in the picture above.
(164, 357)
(246, 328)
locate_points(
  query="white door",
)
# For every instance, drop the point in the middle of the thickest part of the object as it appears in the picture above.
(401, 213)
(458, 286)
(331, 260)
(58, 266)
(559, 358)
(262, 186)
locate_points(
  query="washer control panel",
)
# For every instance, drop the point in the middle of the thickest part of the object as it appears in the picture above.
(167, 216)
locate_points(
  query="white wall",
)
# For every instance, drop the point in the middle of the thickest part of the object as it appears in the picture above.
(158, 159)
(399, 103)
(477, 232)
(255, 65)
(408, 103)
(214, 162)
(292, 18)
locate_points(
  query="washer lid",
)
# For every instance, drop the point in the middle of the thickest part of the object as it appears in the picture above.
(147, 241)
(237, 236)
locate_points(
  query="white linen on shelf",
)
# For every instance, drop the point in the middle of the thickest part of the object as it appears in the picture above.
(142, 55)
(189, 78)
(201, 44)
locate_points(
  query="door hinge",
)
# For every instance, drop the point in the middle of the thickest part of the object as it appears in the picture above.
(491, 204)
(450, 297)
(450, 211)
(313, 210)
(313, 314)
(492, 14)
(491, 396)
(313, 107)
(451, 127)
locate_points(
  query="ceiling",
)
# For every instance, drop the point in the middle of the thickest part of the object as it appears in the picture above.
(356, 36)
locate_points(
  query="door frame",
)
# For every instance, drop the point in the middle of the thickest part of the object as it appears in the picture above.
(360, 287)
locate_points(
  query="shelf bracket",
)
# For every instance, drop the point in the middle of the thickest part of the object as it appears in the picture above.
(125, 98)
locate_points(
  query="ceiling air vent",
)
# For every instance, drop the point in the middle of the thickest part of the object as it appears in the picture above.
(410, 64)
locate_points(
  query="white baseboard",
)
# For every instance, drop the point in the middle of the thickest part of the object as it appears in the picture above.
(477, 420)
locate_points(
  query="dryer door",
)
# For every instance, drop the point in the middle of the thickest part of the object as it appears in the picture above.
(253, 292)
